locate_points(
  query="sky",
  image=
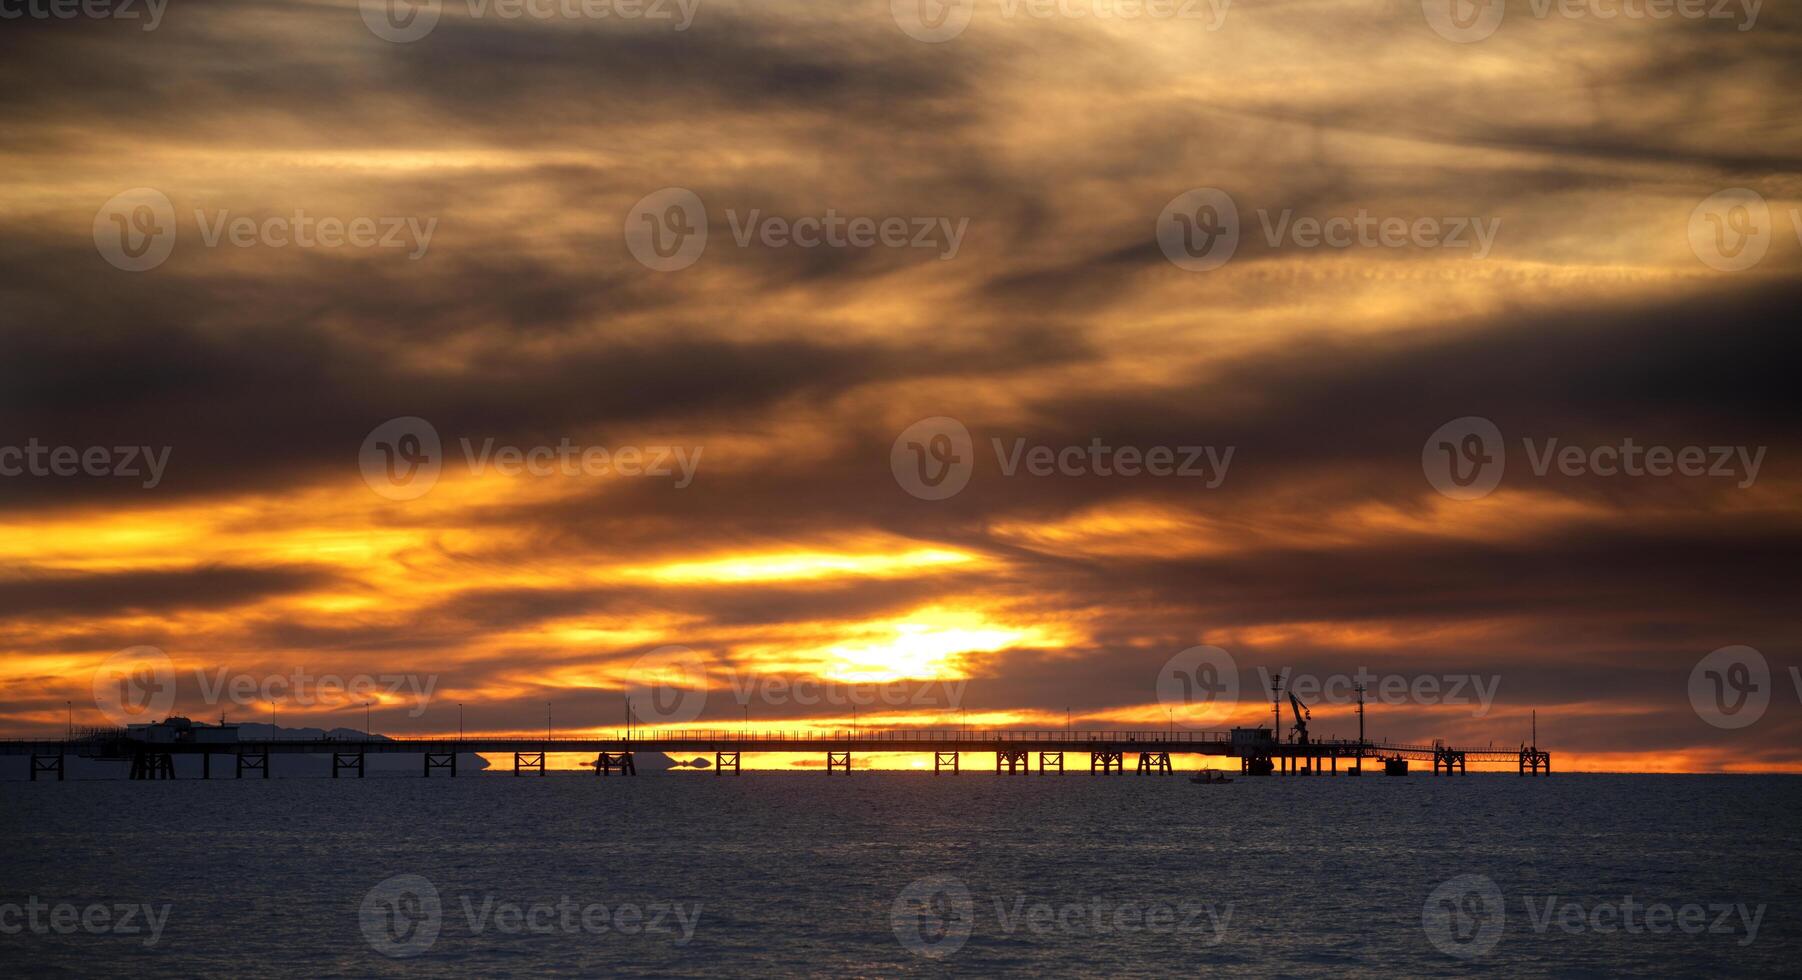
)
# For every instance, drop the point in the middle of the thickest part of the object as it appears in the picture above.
(908, 365)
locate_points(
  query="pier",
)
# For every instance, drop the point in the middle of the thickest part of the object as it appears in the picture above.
(1014, 751)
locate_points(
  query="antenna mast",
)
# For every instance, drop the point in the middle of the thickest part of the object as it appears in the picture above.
(1276, 706)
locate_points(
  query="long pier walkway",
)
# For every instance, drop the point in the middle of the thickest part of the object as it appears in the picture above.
(1014, 750)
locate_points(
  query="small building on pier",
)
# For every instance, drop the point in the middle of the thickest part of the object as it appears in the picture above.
(175, 728)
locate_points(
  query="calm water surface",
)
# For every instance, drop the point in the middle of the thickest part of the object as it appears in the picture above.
(894, 873)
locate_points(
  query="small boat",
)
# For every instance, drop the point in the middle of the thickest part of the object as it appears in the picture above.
(1210, 776)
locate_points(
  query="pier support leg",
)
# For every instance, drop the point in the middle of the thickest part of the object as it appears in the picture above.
(725, 760)
(1107, 760)
(611, 760)
(1050, 761)
(838, 760)
(152, 765)
(944, 760)
(440, 760)
(347, 761)
(528, 762)
(1011, 760)
(1154, 762)
(47, 764)
(206, 765)
(253, 760)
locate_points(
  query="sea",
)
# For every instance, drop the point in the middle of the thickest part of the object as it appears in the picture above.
(895, 873)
